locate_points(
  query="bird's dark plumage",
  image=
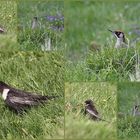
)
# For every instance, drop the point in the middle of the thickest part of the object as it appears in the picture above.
(91, 111)
(19, 100)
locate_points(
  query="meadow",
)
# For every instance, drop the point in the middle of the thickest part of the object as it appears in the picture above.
(128, 126)
(85, 56)
(8, 16)
(87, 24)
(41, 73)
(50, 17)
(35, 71)
(79, 126)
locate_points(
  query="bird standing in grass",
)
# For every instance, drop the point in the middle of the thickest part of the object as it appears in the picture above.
(121, 40)
(135, 110)
(91, 111)
(35, 23)
(19, 100)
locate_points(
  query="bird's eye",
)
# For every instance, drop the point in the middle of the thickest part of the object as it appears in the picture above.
(117, 33)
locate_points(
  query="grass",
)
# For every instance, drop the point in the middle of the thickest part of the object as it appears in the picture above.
(30, 39)
(128, 96)
(87, 22)
(34, 71)
(37, 72)
(8, 23)
(78, 126)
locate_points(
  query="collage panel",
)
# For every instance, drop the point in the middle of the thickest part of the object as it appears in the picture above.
(32, 95)
(102, 40)
(69, 69)
(128, 115)
(8, 25)
(90, 111)
(40, 25)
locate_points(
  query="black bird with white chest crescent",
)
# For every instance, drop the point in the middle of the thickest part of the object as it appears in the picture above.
(19, 100)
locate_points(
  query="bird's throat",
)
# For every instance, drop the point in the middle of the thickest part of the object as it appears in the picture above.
(119, 43)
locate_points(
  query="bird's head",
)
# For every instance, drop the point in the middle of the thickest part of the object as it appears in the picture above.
(89, 102)
(35, 18)
(3, 86)
(136, 107)
(118, 34)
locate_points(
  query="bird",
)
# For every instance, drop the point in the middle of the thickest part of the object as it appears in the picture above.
(2, 30)
(34, 23)
(19, 100)
(91, 111)
(135, 110)
(121, 41)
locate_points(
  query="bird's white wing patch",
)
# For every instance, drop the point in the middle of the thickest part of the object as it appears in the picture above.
(5, 93)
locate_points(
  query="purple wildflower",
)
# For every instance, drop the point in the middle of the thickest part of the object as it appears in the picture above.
(54, 18)
(57, 28)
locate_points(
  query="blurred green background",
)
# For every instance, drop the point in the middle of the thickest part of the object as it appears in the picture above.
(128, 96)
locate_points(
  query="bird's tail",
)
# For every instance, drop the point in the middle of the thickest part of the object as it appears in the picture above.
(51, 97)
(104, 120)
(45, 98)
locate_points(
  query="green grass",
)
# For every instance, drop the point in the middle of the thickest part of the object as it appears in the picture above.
(37, 72)
(8, 16)
(33, 39)
(128, 96)
(8, 22)
(78, 126)
(87, 22)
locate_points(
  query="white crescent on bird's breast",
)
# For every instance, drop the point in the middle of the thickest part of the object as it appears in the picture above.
(5, 93)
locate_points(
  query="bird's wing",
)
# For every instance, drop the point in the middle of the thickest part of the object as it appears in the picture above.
(23, 101)
(21, 92)
(92, 113)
